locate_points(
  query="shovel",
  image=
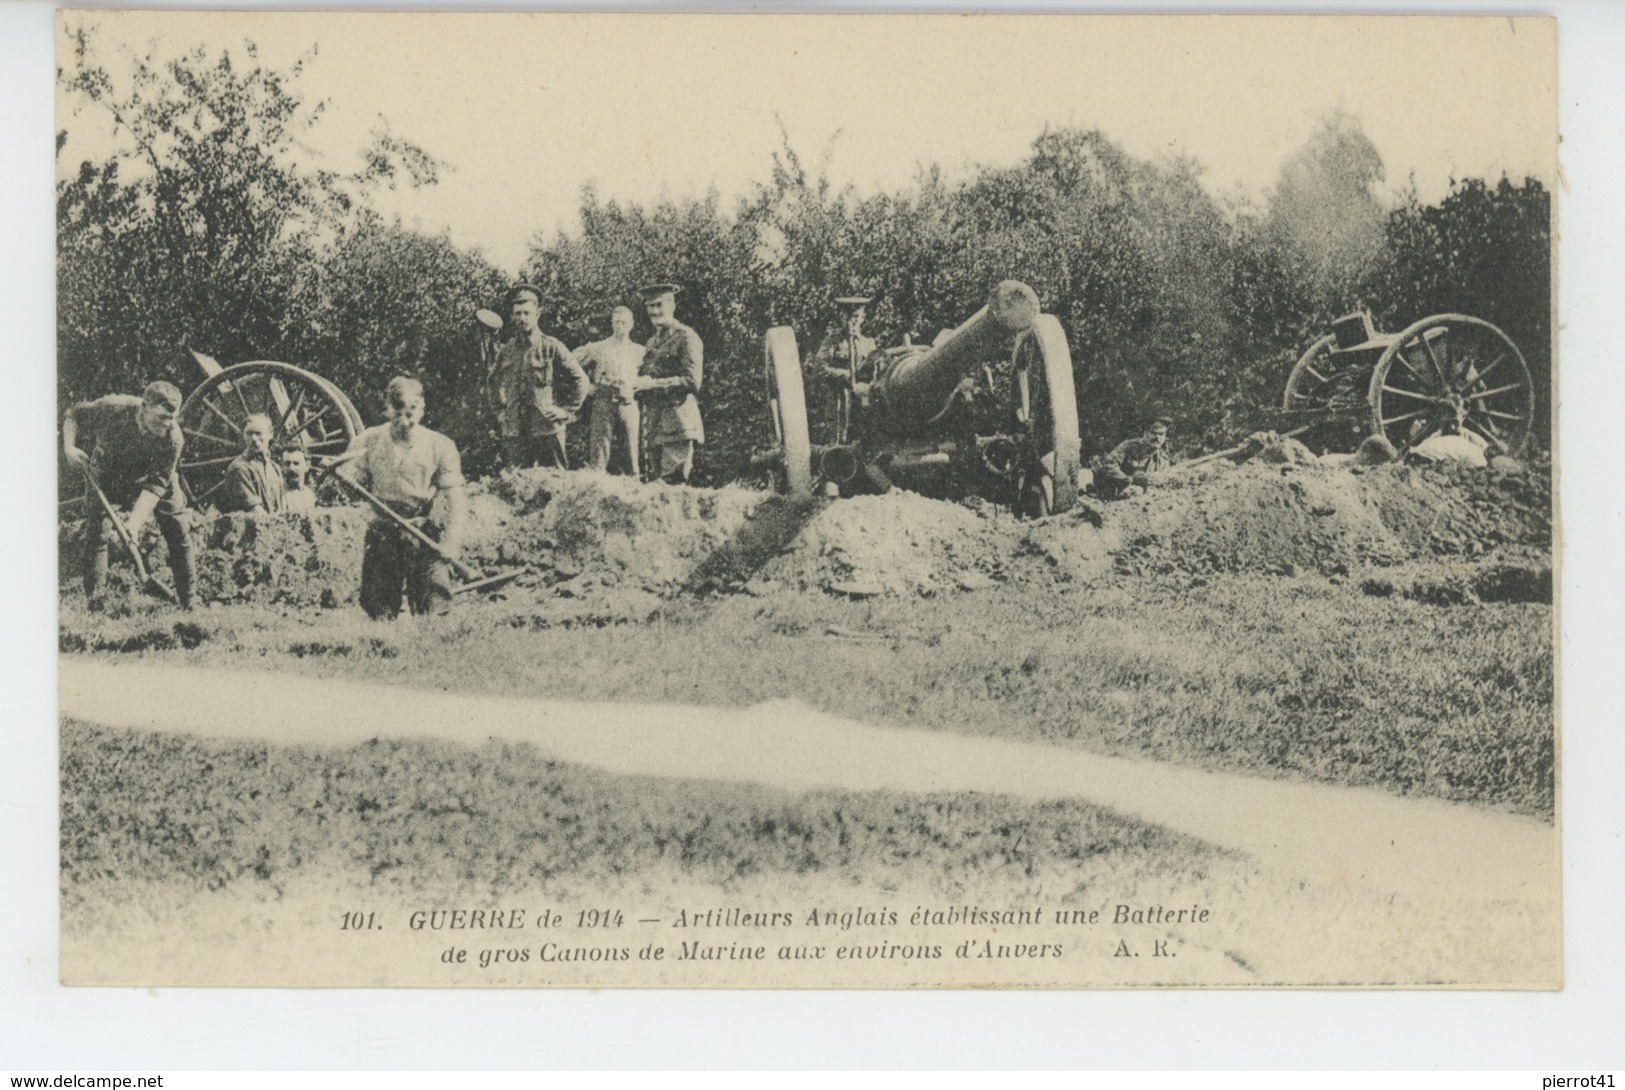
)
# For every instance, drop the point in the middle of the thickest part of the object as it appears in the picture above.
(472, 580)
(1231, 451)
(148, 581)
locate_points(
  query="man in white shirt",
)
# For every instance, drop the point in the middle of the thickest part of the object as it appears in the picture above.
(612, 366)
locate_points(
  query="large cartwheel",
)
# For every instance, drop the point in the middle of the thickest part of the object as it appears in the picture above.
(306, 410)
(1449, 374)
(916, 414)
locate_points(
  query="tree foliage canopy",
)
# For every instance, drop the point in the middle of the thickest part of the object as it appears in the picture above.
(211, 225)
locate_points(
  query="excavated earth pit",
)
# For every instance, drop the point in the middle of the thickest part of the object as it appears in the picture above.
(609, 549)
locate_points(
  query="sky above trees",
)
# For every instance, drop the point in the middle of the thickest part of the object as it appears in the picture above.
(526, 110)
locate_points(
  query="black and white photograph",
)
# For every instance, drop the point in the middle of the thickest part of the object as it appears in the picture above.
(901, 501)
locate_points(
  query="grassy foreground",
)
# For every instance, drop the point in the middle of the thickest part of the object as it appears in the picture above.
(1297, 677)
(209, 815)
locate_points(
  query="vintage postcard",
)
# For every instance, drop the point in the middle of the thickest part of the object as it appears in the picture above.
(792, 501)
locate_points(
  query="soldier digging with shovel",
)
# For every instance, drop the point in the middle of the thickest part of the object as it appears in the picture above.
(133, 460)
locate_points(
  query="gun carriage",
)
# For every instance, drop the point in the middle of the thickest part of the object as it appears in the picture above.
(913, 410)
(306, 410)
(1449, 374)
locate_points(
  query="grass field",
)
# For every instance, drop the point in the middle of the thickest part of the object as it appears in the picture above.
(1264, 675)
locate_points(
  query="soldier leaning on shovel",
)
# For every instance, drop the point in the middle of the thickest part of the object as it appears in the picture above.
(405, 467)
(133, 460)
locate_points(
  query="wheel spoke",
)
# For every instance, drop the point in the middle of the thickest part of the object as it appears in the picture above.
(201, 462)
(211, 490)
(216, 410)
(1438, 368)
(1314, 372)
(199, 433)
(1406, 393)
(1496, 362)
(293, 410)
(1403, 416)
(1417, 375)
(307, 424)
(337, 441)
(237, 388)
(1500, 415)
(1479, 395)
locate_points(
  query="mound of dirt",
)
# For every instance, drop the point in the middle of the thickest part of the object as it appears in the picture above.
(596, 539)
(893, 544)
(652, 534)
(281, 559)
(1287, 518)
(272, 559)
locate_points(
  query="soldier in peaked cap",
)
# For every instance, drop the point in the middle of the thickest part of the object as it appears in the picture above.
(1133, 463)
(135, 460)
(534, 387)
(840, 361)
(673, 364)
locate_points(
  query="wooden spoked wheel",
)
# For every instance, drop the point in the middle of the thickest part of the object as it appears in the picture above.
(1313, 382)
(1453, 375)
(305, 409)
(1047, 414)
(787, 407)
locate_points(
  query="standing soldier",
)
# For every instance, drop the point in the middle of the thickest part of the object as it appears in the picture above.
(407, 467)
(840, 361)
(672, 365)
(612, 366)
(134, 460)
(534, 386)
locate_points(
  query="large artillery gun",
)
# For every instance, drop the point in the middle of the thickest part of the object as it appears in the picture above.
(917, 411)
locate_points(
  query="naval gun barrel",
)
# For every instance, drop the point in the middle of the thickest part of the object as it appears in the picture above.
(914, 392)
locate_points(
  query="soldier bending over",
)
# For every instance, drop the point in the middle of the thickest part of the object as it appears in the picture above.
(133, 460)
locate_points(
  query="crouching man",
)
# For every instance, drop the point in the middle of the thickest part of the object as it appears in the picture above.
(406, 467)
(1134, 464)
(135, 452)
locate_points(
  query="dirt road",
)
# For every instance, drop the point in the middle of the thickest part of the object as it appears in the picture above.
(1326, 835)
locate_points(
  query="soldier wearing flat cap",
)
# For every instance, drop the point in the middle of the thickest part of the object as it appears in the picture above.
(1133, 464)
(134, 459)
(535, 387)
(840, 362)
(673, 362)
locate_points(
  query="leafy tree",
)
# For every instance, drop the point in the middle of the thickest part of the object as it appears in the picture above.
(203, 225)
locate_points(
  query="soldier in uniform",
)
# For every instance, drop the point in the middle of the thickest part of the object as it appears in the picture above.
(612, 365)
(253, 480)
(840, 363)
(535, 387)
(1131, 464)
(673, 361)
(134, 460)
(407, 466)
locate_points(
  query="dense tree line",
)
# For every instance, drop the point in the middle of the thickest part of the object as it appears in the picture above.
(209, 230)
